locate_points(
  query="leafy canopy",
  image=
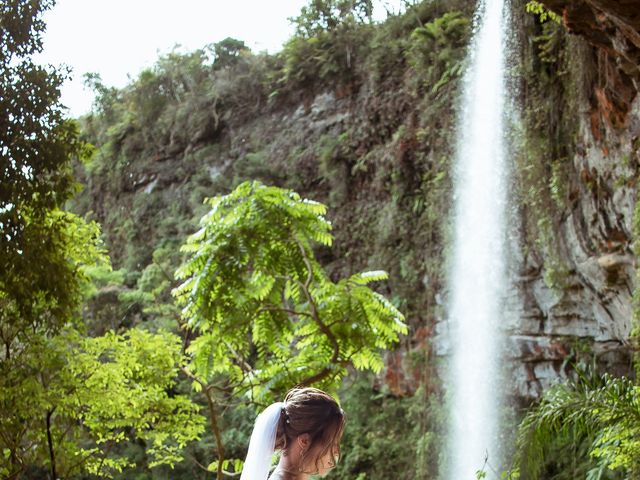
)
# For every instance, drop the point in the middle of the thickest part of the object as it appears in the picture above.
(67, 403)
(37, 145)
(445, 35)
(36, 142)
(266, 314)
(227, 52)
(328, 15)
(89, 396)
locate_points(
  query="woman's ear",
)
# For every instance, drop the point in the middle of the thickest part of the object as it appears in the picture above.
(304, 441)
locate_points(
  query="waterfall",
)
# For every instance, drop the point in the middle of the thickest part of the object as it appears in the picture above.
(477, 280)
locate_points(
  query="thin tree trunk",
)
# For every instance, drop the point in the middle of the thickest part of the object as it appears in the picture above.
(52, 456)
(216, 431)
(214, 418)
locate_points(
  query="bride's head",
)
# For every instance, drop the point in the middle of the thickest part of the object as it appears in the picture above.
(309, 431)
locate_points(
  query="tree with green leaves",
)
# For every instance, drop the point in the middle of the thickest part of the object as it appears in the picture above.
(543, 13)
(262, 313)
(446, 35)
(67, 403)
(228, 52)
(37, 145)
(330, 35)
(329, 15)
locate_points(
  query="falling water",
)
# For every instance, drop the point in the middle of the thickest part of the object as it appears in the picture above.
(478, 278)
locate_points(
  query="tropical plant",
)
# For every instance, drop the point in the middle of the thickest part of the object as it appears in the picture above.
(599, 417)
(264, 313)
(330, 37)
(437, 51)
(388, 434)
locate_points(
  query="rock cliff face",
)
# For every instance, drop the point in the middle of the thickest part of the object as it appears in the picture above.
(591, 308)
(613, 27)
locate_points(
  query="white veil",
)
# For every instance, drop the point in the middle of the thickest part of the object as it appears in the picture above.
(262, 444)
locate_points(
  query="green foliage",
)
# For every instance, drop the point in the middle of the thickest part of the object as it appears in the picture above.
(595, 420)
(542, 187)
(331, 38)
(328, 56)
(36, 142)
(227, 52)
(387, 434)
(95, 394)
(546, 143)
(36, 148)
(179, 106)
(106, 98)
(68, 403)
(255, 165)
(556, 271)
(385, 165)
(267, 314)
(334, 160)
(43, 284)
(133, 154)
(321, 16)
(634, 335)
(549, 44)
(635, 324)
(264, 313)
(119, 299)
(437, 51)
(544, 14)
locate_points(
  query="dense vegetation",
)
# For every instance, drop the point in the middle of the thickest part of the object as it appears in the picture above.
(120, 372)
(194, 126)
(67, 401)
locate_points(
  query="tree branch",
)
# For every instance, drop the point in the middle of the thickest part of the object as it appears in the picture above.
(241, 360)
(307, 263)
(202, 467)
(73, 466)
(321, 375)
(285, 310)
(315, 315)
(104, 457)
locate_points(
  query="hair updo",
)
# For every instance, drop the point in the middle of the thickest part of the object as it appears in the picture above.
(312, 411)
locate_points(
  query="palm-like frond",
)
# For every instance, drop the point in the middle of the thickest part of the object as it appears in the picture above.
(602, 411)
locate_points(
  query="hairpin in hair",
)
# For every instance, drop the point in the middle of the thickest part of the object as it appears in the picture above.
(286, 415)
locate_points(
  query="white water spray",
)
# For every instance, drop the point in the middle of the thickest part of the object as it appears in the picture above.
(478, 280)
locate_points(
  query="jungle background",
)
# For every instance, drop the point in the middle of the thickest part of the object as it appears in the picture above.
(114, 365)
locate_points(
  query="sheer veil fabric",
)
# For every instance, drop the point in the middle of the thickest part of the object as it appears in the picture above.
(262, 443)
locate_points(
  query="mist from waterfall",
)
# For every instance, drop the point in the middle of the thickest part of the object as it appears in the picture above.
(477, 281)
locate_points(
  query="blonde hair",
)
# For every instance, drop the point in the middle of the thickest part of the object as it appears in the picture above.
(314, 412)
